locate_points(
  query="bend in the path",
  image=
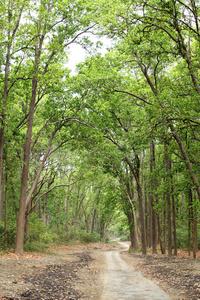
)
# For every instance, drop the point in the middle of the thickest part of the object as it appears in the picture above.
(123, 282)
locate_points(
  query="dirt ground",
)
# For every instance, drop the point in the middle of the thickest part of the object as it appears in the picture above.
(67, 272)
(77, 272)
(178, 276)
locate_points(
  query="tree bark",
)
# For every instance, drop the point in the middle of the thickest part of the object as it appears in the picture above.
(10, 38)
(186, 159)
(6, 206)
(194, 227)
(152, 187)
(45, 210)
(3, 120)
(168, 200)
(140, 201)
(174, 220)
(133, 231)
(93, 218)
(173, 209)
(24, 180)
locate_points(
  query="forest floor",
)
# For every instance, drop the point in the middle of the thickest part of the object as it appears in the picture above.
(77, 272)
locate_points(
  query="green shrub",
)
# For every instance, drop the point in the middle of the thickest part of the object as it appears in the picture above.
(37, 229)
(60, 237)
(124, 238)
(182, 238)
(35, 246)
(87, 237)
(9, 234)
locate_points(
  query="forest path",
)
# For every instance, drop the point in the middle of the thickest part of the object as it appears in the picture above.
(122, 281)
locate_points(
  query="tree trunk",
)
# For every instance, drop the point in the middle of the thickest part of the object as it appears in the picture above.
(70, 230)
(24, 180)
(190, 204)
(93, 218)
(146, 214)
(150, 226)
(45, 210)
(194, 238)
(168, 200)
(131, 218)
(3, 120)
(105, 233)
(75, 225)
(152, 187)
(159, 228)
(40, 209)
(132, 221)
(186, 159)
(27, 221)
(173, 210)
(164, 231)
(1, 196)
(174, 221)
(79, 231)
(194, 227)
(10, 38)
(160, 236)
(142, 224)
(67, 214)
(6, 206)
(135, 173)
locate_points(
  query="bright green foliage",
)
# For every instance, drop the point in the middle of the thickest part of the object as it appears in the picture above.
(99, 124)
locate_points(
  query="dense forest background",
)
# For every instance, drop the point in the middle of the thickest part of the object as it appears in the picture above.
(115, 147)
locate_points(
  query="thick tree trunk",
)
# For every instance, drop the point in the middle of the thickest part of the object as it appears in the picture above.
(160, 236)
(164, 231)
(142, 224)
(105, 234)
(146, 214)
(190, 204)
(168, 200)
(150, 226)
(131, 217)
(194, 227)
(174, 221)
(173, 209)
(153, 213)
(135, 173)
(136, 237)
(132, 221)
(6, 206)
(195, 238)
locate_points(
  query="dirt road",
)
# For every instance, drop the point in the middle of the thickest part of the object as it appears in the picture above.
(122, 281)
(99, 272)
